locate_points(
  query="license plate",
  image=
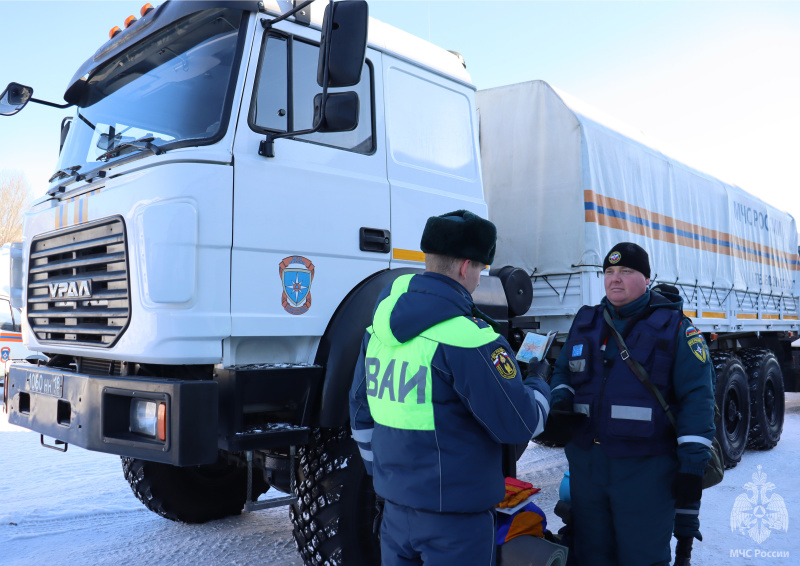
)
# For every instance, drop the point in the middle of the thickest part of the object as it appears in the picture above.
(45, 383)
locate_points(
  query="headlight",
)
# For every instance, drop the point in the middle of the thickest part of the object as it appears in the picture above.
(148, 418)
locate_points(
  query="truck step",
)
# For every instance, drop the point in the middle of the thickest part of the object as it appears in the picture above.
(269, 503)
(251, 505)
(268, 435)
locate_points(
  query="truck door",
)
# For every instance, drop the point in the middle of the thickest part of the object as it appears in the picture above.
(309, 222)
(432, 152)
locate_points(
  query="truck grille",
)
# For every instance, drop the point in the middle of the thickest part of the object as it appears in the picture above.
(78, 290)
(95, 366)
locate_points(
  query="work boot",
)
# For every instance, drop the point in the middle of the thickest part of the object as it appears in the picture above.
(683, 551)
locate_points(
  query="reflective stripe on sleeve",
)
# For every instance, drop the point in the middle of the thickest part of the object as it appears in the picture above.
(581, 408)
(362, 435)
(698, 439)
(540, 426)
(542, 400)
(631, 413)
(366, 454)
(564, 386)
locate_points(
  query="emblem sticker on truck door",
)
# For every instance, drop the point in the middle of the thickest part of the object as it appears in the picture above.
(296, 274)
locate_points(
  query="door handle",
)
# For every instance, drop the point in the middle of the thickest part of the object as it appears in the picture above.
(374, 240)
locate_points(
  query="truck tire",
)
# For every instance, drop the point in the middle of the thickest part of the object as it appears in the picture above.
(767, 400)
(194, 494)
(335, 509)
(733, 400)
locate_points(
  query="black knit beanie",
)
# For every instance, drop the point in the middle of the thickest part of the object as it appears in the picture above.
(630, 255)
(460, 234)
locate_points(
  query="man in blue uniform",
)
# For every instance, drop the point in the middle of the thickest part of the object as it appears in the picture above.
(435, 394)
(631, 471)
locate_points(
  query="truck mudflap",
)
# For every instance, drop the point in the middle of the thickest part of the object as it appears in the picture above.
(163, 420)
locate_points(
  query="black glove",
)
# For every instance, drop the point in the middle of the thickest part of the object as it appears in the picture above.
(561, 399)
(541, 369)
(562, 405)
(687, 488)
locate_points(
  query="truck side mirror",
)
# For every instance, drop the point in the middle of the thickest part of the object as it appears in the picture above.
(14, 98)
(343, 43)
(343, 47)
(340, 114)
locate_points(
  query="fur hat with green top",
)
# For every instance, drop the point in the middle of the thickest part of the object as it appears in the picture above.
(461, 234)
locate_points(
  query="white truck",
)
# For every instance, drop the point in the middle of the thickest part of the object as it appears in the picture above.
(203, 266)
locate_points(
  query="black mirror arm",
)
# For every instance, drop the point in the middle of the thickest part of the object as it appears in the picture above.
(266, 24)
(53, 104)
(267, 147)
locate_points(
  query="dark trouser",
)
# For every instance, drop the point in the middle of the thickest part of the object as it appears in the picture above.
(622, 508)
(410, 536)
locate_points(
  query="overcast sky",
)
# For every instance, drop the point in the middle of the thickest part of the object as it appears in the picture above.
(718, 82)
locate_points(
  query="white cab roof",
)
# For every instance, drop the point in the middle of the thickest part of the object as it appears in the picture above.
(388, 38)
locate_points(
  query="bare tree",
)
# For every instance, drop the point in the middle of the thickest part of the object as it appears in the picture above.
(15, 197)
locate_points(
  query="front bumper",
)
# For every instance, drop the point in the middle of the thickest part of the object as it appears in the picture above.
(94, 413)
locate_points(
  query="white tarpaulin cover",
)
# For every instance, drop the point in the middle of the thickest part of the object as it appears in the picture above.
(564, 184)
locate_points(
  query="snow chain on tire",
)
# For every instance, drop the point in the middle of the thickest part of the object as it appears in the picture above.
(733, 399)
(767, 400)
(335, 508)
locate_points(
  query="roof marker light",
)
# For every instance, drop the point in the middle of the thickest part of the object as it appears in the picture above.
(129, 21)
(146, 9)
(114, 31)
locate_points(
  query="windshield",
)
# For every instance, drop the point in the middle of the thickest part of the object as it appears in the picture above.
(174, 87)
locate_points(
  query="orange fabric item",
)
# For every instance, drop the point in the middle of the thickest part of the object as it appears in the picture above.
(515, 485)
(526, 523)
(529, 520)
(517, 491)
(514, 499)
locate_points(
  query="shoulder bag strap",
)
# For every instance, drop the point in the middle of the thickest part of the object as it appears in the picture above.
(637, 368)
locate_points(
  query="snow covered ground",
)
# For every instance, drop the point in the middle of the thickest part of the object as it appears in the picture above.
(76, 508)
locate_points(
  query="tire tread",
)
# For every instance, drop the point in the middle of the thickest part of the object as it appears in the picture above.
(331, 484)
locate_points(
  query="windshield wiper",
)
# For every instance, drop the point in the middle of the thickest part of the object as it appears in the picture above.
(66, 172)
(142, 144)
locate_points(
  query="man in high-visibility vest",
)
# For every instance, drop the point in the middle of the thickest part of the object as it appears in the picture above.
(435, 394)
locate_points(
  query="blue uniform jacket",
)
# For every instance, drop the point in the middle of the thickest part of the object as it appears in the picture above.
(458, 466)
(685, 376)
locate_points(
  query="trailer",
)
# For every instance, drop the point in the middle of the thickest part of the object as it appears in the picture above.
(564, 183)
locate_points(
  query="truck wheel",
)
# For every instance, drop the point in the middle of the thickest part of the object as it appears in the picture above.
(767, 402)
(194, 494)
(335, 508)
(733, 400)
